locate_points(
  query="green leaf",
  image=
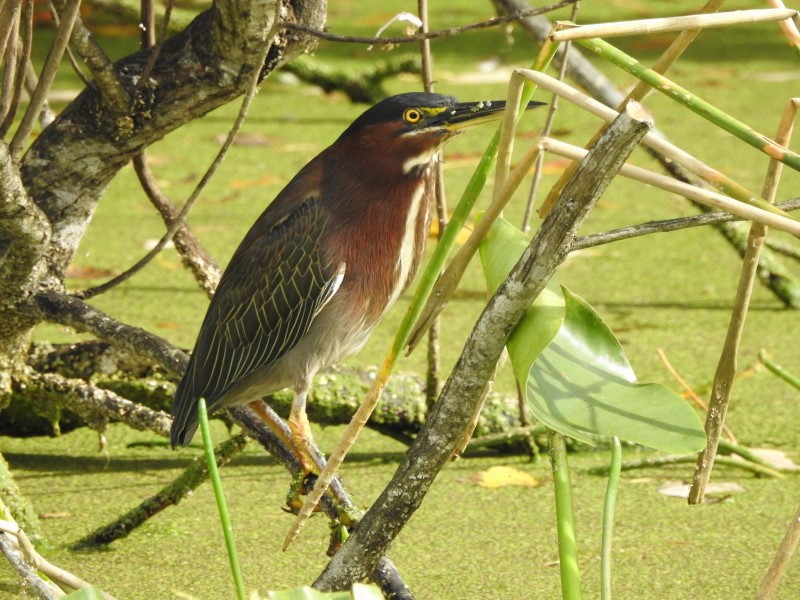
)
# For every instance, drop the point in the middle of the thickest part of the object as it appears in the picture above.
(86, 593)
(500, 251)
(582, 385)
(575, 374)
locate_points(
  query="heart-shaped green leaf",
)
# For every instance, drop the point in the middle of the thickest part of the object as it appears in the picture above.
(500, 251)
(575, 374)
(583, 383)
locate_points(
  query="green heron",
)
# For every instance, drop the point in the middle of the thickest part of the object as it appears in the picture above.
(324, 262)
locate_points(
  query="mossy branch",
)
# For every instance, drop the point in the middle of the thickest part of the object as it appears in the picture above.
(194, 475)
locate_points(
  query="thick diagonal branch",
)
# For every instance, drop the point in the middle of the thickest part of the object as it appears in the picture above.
(462, 393)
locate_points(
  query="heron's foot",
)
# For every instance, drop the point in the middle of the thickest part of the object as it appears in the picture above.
(339, 534)
(302, 483)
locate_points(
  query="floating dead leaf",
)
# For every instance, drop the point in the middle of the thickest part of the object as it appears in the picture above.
(55, 515)
(552, 563)
(456, 159)
(462, 235)
(776, 458)
(240, 184)
(776, 76)
(87, 272)
(151, 243)
(679, 489)
(495, 477)
(246, 139)
(168, 325)
(553, 167)
(299, 147)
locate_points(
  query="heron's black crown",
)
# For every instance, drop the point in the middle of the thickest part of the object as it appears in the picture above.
(392, 109)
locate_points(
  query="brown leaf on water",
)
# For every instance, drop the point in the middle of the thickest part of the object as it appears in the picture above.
(500, 476)
(241, 184)
(87, 272)
(168, 325)
(246, 139)
(55, 515)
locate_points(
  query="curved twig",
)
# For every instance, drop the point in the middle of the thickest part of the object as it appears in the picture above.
(430, 35)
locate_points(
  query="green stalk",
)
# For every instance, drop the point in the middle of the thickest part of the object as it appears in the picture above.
(219, 495)
(778, 370)
(694, 103)
(608, 518)
(462, 212)
(567, 543)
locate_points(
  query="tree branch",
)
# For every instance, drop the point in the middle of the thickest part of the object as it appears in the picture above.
(429, 35)
(439, 436)
(96, 406)
(72, 312)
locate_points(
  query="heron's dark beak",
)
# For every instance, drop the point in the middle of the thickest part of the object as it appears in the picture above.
(466, 114)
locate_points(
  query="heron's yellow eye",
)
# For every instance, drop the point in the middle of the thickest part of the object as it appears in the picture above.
(412, 115)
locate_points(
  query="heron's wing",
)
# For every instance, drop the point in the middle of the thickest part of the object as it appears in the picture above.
(274, 286)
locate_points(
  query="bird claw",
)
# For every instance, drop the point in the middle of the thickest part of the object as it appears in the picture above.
(302, 484)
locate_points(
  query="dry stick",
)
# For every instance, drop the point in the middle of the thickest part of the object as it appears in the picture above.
(162, 36)
(664, 62)
(178, 489)
(771, 273)
(8, 54)
(46, 79)
(564, 31)
(9, 15)
(28, 574)
(147, 24)
(674, 459)
(385, 574)
(96, 405)
(432, 378)
(689, 391)
(436, 441)
(431, 35)
(548, 127)
(63, 579)
(788, 27)
(72, 312)
(193, 254)
(73, 61)
(652, 140)
(665, 226)
(212, 169)
(700, 195)
(726, 369)
(780, 563)
(24, 57)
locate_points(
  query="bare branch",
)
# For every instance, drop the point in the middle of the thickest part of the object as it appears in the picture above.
(21, 71)
(194, 256)
(666, 225)
(430, 35)
(48, 74)
(72, 312)
(436, 441)
(212, 169)
(31, 579)
(96, 406)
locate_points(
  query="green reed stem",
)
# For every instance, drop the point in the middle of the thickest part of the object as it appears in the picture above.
(608, 518)
(222, 506)
(567, 543)
(692, 102)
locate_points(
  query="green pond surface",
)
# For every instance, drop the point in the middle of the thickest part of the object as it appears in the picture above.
(672, 292)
